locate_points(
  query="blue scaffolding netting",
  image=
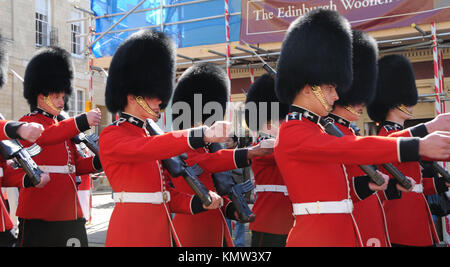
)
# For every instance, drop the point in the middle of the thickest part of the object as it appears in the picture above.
(186, 23)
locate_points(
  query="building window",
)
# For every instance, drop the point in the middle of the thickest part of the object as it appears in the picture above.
(77, 103)
(76, 30)
(42, 23)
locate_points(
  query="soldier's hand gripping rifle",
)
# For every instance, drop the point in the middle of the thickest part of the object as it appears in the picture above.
(177, 167)
(226, 185)
(398, 175)
(12, 149)
(91, 141)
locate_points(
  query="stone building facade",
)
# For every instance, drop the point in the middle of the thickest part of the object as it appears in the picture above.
(28, 25)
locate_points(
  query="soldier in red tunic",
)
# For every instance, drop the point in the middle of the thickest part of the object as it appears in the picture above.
(368, 209)
(201, 87)
(315, 65)
(408, 218)
(52, 216)
(139, 86)
(272, 207)
(8, 176)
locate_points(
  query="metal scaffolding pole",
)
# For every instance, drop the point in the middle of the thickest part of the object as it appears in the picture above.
(115, 24)
(166, 24)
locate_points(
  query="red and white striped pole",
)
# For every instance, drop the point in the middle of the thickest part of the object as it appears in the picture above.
(90, 63)
(227, 31)
(441, 78)
(438, 74)
(252, 75)
(252, 80)
(437, 82)
(228, 53)
(441, 85)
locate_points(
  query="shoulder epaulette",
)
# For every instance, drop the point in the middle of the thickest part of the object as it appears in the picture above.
(294, 116)
(118, 122)
(390, 127)
(32, 113)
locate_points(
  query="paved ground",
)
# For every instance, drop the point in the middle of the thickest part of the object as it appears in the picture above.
(102, 207)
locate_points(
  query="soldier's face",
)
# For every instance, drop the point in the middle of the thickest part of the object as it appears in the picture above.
(330, 93)
(53, 103)
(406, 112)
(356, 112)
(330, 96)
(154, 104)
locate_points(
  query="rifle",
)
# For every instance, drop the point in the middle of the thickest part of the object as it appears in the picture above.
(225, 185)
(398, 175)
(266, 66)
(91, 141)
(438, 168)
(177, 167)
(12, 149)
(370, 170)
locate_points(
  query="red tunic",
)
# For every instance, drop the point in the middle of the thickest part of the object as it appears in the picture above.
(273, 209)
(8, 129)
(58, 200)
(409, 219)
(206, 229)
(131, 161)
(368, 212)
(310, 162)
(3, 135)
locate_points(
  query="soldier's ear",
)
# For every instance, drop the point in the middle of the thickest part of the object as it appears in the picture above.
(40, 98)
(307, 90)
(131, 99)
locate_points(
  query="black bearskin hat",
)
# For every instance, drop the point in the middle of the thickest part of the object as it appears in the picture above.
(317, 49)
(3, 62)
(143, 65)
(263, 90)
(49, 71)
(365, 71)
(396, 85)
(208, 80)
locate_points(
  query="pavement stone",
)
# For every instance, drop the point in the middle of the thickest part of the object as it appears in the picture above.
(102, 207)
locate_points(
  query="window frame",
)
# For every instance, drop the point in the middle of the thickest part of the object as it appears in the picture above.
(42, 22)
(74, 101)
(77, 41)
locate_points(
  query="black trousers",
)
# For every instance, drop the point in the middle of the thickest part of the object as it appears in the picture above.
(260, 239)
(38, 233)
(7, 239)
